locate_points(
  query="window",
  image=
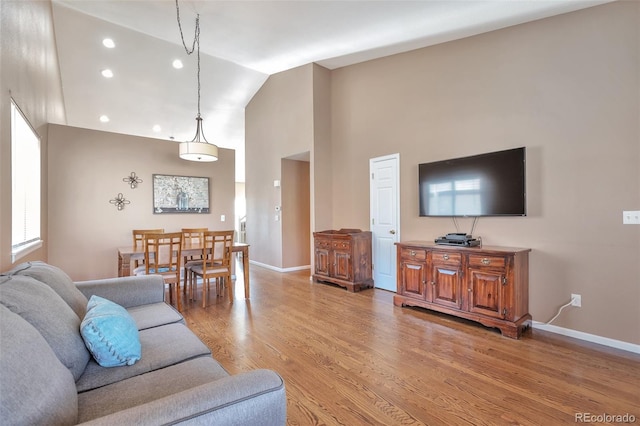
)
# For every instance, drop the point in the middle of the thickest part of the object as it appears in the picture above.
(25, 186)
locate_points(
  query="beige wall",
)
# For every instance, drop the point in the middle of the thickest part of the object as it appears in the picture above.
(565, 87)
(279, 124)
(321, 164)
(86, 169)
(29, 73)
(295, 214)
(289, 116)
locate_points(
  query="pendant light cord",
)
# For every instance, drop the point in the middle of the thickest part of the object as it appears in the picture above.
(198, 149)
(196, 43)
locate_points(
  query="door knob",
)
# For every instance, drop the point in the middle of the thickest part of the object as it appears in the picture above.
(392, 232)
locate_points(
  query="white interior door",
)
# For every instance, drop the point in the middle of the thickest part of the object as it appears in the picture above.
(385, 218)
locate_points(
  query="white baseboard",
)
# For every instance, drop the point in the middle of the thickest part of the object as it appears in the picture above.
(275, 268)
(618, 344)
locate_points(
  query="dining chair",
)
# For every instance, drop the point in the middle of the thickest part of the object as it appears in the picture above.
(216, 263)
(162, 256)
(138, 243)
(190, 237)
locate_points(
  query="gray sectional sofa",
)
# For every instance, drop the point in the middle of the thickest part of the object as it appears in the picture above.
(48, 376)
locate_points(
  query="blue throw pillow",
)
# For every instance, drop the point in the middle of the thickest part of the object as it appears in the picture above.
(110, 333)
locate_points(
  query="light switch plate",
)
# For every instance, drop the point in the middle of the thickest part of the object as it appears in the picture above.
(631, 217)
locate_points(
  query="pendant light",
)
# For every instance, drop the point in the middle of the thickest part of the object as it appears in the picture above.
(198, 149)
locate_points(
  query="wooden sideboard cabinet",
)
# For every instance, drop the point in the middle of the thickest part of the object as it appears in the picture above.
(489, 285)
(343, 257)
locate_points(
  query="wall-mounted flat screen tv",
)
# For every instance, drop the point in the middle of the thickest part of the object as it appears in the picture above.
(491, 184)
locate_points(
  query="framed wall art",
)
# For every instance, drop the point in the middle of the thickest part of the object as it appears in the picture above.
(180, 194)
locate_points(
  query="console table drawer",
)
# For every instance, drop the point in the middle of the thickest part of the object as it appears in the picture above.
(413, 254)
(487, 261)
(341, 245)
(442, 257)
(323, 244)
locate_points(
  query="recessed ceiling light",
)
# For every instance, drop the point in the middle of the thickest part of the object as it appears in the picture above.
(107, 42)
(107, 73)
(104, 119)
(157, 128)
(177, 64)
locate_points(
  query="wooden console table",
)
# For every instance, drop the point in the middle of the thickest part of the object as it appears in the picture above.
(489, 285)
(344, 258)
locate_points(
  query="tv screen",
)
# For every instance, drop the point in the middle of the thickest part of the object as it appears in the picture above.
(491, 184)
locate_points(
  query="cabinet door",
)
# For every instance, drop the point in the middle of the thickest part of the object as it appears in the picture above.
(446, 285)
(486, 292)
(413, 279)
(322, 262)
(341, 265)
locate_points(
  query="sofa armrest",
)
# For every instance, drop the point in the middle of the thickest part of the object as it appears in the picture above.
(126, 291)
(256, 397)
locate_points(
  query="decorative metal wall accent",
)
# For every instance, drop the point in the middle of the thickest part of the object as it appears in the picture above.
(132, 180)
(180, 194)
(120, 201)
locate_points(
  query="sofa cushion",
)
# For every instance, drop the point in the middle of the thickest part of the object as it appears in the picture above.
(58, 280)
(110, 333)
(35, 387)
(161, 347)
(154, 315)
(148, 387)
(51, 316)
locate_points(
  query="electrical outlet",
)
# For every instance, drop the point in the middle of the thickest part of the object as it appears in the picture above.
(576, 300)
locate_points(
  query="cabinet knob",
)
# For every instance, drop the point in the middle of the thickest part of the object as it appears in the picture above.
(433, 283)
(485, 261)
(392, 232)
(469, 290)
(412, 253)
(445, 257)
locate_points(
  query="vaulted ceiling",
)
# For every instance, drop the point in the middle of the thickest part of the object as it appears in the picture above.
(241, 44)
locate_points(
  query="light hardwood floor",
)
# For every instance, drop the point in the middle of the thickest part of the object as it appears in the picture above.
(355, 359)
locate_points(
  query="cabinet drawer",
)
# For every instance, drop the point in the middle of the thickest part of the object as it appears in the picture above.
(442, 256)
(413, 254)
(323, 244)
(488, 261)
(341, 245)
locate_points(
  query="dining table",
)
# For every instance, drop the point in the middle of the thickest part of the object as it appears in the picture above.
(127, 254)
